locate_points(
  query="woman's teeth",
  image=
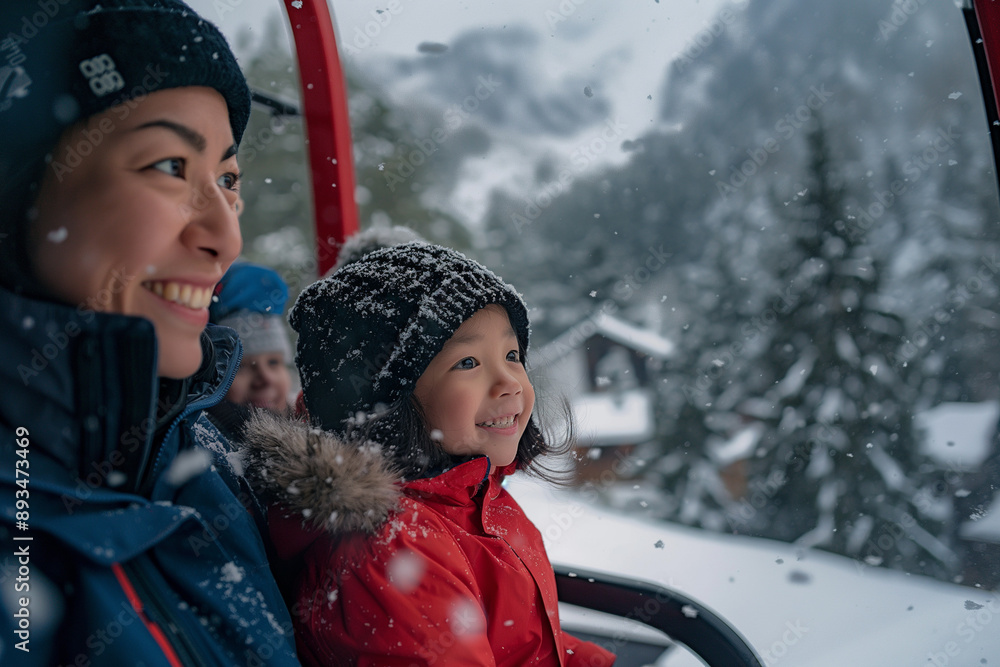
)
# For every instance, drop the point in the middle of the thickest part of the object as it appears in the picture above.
(188, 295)
(505, 422)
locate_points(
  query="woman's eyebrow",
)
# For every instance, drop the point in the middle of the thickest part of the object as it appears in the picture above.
(191, 137)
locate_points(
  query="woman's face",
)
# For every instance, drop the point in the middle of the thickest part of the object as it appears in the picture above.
(137, 215)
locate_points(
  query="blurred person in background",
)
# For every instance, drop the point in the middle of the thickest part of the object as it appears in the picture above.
(251, 300)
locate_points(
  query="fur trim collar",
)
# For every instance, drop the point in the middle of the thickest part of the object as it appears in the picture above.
(336, 486)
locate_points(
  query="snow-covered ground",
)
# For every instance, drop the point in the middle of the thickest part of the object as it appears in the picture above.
(796, 607)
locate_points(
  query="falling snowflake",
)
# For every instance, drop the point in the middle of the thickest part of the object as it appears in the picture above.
(57, 235)
(232, 573)
(466, 618)
(188, 465)
(405, 570)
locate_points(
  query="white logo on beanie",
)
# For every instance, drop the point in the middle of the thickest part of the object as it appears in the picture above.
(14, 83)
(102, 74)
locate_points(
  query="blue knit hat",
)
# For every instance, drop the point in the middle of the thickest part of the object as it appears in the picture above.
(251, 299)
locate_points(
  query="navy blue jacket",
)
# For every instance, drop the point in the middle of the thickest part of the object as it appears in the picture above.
(122, 509)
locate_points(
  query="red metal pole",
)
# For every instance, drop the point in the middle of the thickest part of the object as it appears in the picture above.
(327, 124)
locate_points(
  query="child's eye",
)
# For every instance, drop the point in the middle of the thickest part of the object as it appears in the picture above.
(467, 364)
(173, 166)
(229, 181)
(513, 356)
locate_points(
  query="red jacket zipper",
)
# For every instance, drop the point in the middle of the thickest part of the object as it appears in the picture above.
(154, 630)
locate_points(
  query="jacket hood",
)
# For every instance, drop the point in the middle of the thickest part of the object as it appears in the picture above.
(318, 479)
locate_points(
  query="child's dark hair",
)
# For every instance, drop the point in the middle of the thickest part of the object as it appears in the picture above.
(403, 433)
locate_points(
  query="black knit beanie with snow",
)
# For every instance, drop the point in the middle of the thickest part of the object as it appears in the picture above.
(62, 61)
(368, 331)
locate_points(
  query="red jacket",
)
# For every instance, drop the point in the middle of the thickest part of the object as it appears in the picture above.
(448, 572)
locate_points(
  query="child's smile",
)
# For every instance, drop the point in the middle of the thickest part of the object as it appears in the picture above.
(475, 393)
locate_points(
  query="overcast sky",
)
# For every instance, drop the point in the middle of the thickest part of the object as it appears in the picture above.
(407, 23)
(613, 51)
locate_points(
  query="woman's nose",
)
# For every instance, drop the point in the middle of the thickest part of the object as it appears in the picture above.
(214, 227)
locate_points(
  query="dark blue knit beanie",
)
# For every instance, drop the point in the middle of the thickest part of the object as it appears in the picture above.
(62, 61)
(368, 331)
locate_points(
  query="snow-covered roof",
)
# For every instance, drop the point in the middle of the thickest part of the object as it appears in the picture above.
(613, 418)
(642, 340)
(625, 333)
(740, 446)
(959, 435)
(984, 527)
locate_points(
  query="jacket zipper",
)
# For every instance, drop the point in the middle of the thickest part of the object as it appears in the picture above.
(147, 486)
(158, 635)
(179, 651)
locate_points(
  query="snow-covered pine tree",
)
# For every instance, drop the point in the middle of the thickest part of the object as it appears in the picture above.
(840, 431)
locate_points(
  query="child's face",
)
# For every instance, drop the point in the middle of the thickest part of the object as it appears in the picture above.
(137, 215)
(475, 393)
(263, 381)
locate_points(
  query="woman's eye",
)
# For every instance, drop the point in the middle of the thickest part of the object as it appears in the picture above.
(171, 166)
(513, 356)
(229, 181)
(467, 364)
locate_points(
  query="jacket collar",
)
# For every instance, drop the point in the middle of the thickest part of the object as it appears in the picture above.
(462, 484)
(321, 484)
(85, 384)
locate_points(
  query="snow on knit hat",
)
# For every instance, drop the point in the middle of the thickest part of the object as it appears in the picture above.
(251, 300)
(373, 238)
(63, 61)
(368, 331)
